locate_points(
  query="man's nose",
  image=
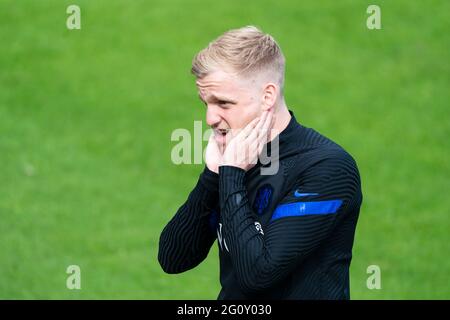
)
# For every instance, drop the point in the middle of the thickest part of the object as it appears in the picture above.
(212, 117)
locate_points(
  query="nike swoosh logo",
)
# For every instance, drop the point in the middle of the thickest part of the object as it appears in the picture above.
(298, 194)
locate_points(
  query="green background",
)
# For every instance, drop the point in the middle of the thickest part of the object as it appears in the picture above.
(86, 118)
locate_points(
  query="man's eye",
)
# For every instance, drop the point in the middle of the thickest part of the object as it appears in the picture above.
(222, 102)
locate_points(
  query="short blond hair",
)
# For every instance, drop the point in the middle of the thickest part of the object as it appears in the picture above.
(246, 51)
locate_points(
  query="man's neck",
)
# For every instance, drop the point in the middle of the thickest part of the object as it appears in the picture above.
(282, 119)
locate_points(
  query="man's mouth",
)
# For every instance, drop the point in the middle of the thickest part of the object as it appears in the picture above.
(221, 132)
(221, 135)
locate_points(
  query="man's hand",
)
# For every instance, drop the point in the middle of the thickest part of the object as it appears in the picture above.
(213, 154)
(244, 149)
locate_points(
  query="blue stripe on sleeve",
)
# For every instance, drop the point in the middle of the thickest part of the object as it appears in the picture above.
(306, 208)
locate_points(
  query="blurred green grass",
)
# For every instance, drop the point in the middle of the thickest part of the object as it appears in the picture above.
(86, 118)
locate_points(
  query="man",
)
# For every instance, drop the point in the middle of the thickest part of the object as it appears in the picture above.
(285, 235)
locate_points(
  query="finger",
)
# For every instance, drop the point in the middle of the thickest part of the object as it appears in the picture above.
(261, 142)
(243, 132)
(266, 125)
(269, 119)
(252, 137)
(261, 121)
(264, 134)
(249, 128)
(259, 126)
(271, 129)
(249, 139)
(256, 130)
(274, 117)
(252, 142)
(253, 154)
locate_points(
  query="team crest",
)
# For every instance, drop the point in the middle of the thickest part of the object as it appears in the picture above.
(263, 198)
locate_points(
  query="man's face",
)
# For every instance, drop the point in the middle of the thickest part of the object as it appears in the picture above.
(231, 102)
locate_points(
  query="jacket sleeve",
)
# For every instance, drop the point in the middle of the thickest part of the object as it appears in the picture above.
(188, 237)
(300, 222)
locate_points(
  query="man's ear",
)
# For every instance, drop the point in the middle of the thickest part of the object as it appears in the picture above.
(269, 96)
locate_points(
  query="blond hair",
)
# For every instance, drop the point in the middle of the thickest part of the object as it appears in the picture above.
(246, 51)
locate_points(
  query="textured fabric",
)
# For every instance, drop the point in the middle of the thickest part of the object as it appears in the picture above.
(303, 253)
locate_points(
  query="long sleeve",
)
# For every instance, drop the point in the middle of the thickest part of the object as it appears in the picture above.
(300, 223)
(188, 237)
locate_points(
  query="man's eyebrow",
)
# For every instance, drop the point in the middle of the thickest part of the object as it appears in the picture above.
(218, 98)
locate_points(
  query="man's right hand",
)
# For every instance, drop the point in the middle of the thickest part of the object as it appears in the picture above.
(213, 154)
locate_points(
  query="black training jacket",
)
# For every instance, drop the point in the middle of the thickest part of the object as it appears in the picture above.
(287, 235)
